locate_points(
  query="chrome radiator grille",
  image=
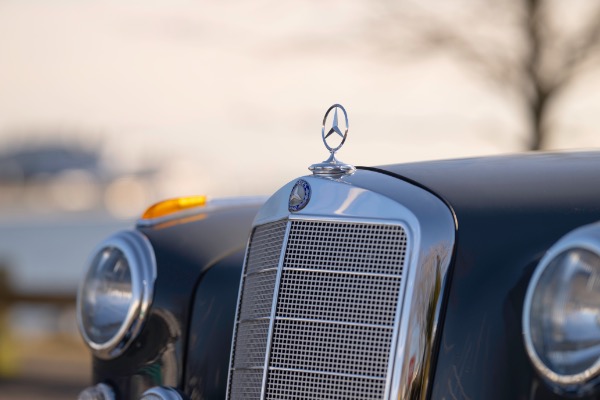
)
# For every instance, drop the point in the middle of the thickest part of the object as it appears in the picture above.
(320, 322)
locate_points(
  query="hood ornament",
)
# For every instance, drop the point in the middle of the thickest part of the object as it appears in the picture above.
(333, 166)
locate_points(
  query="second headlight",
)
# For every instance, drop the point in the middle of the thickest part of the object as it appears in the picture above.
(561, 317)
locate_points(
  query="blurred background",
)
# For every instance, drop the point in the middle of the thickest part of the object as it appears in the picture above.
(107, 107)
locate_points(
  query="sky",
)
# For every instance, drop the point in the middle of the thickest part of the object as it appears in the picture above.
(227, 98)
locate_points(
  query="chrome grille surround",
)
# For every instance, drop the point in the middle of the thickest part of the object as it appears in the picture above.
(334, 277)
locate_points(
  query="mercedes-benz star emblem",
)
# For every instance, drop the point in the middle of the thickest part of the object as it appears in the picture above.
(299, 196)
(335, 128)
(333, 166)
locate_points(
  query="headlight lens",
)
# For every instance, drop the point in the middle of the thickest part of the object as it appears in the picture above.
(116, 292)
(565, 313)
(561, 317)
(107, 295)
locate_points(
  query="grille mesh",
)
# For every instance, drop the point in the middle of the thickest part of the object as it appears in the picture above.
(301, 385)
(335, 311)
(338, 297)
(338, 348)
(339, 246)
(246, 384)
(251, 344)
(252, 325)
(257, 299)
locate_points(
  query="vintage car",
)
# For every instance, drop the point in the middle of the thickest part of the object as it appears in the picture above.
(463, 279)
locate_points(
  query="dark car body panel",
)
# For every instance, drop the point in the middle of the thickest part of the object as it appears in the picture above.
(211, 329)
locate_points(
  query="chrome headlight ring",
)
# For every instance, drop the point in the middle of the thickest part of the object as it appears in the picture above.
(161, 393)
(116, 292)
(561, 314)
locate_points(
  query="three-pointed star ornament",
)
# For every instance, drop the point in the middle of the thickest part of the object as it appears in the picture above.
(332, 166)
(335, 128)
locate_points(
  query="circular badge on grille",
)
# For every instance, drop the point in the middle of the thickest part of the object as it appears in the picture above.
(299, 196)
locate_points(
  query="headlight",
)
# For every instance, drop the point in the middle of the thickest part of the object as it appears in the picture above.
(115, 294)
(561, 317)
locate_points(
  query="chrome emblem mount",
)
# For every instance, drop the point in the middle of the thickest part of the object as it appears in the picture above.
(300, 196)
(332, 166)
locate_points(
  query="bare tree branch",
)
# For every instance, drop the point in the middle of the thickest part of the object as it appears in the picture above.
(537, 65)
(578, 53)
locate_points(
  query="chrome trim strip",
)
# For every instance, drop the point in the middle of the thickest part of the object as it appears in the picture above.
(413, 244)
(274, 308)
(337, 272)
(353, 220)
(262, 271)
(161, 393)
(398, 323)
(586, 238)
(255, 319)
(312, 371)
(139, 253)
(334, 322)
(248, 369)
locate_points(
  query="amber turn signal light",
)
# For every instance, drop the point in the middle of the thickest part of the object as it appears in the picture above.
(171, 206)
